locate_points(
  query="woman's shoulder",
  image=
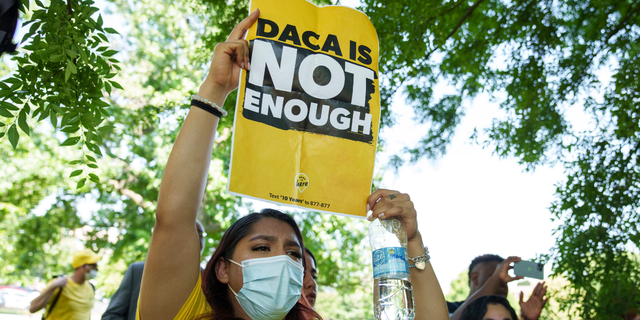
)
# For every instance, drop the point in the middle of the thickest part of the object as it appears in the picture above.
(195, 306)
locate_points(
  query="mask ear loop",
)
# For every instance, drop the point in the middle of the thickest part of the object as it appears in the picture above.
(228, 285)
(239, 265)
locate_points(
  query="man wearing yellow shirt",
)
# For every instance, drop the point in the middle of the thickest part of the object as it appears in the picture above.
(73, 296)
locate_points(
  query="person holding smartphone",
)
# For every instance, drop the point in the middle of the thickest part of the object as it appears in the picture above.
(489, 275)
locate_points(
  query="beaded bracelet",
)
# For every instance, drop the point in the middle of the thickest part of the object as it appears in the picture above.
(421, 260)
(208, 106)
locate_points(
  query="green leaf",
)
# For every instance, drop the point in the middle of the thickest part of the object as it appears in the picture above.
(89, 120)
(56, 108)
(76, 173)
(72, 54)
(34, 27)
(53, 117)
(103, 37)
(13, 80)
(70, 129)
(94, 148)
(106, 129)
(92, 165)
(67, 73)
(111, 30)
(70, 141)
(22, 122)
(83, 55)
(88, 24)
(8, 106)
(90, 158)
(94, 178)
(72, 66)
(109, 53)
(99, 21)
(116, 85)
(2, 124)
(107, 87)
(81, 183)
(26, 107)
(43, 114)
(37, 112)
(74, 162)
(5, 113)
(13, 136)
(16, 99)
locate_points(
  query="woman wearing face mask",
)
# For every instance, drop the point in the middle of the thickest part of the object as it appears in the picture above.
(257, 270)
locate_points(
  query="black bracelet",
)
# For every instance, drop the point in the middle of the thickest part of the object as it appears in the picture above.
(206, 107)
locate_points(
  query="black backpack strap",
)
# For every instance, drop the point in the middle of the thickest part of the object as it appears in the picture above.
(53, 304)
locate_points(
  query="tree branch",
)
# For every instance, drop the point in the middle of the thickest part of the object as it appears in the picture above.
(135, 197)
(612, 33)
(460, 23)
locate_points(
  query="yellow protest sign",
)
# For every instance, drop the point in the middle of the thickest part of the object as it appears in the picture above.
(308, 111)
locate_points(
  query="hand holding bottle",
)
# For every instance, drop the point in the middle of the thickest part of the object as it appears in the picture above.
(385, 204)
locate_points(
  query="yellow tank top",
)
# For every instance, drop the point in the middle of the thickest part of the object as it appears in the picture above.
(195, 305)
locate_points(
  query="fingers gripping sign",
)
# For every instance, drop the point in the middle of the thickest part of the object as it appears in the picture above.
(385, 204)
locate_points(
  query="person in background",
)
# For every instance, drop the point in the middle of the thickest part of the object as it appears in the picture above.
(310, 286)
(124, 302)
(489, 275)
(489, 308)
(74, 295)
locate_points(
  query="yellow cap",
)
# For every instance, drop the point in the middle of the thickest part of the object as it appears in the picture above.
(83, 257)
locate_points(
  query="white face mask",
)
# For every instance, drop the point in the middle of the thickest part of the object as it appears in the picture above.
(271, 288)
(91, 274)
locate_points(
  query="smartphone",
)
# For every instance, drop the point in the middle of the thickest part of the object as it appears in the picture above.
(529, 269)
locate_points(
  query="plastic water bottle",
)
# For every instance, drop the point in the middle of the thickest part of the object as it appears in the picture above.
(392, 291)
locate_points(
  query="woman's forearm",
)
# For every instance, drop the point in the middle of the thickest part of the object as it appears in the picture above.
(185, 176)
(428, 297)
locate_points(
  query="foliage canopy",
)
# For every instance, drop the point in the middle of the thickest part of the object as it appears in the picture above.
(538, 59)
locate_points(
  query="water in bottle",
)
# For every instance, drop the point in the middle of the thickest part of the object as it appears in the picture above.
(392, 291)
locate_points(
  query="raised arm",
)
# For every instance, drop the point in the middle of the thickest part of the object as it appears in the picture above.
(499, 279)
(43, 299)
(429, 300)
(172, 266)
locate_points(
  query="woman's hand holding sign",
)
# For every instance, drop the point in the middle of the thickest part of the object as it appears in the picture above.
(168, 282)
(228, 59)
(429, 301)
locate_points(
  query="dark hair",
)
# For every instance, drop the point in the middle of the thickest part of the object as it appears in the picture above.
(312, 256)
(478, 308)
(216, 291)
(483, 259)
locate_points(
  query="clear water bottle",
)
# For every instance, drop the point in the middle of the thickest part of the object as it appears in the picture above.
(392, 291)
